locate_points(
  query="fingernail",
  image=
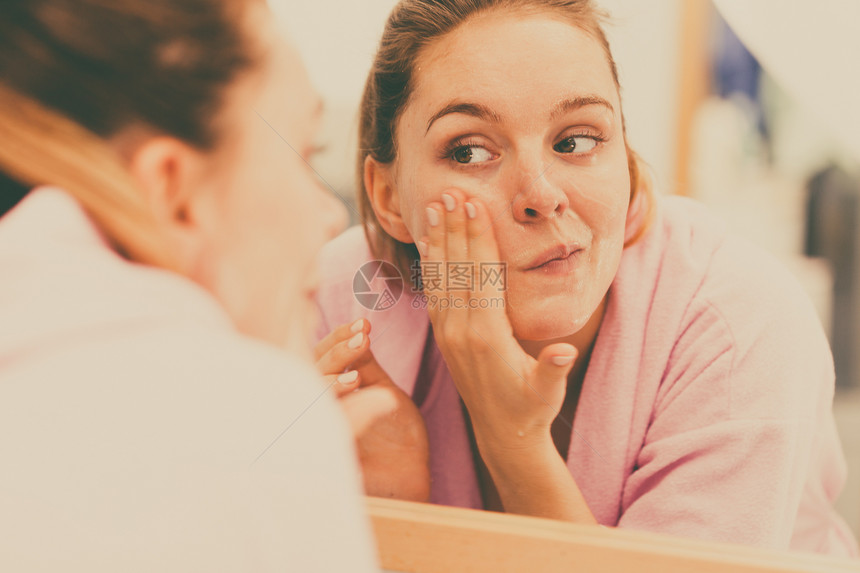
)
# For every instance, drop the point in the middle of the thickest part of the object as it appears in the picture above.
(422, 247)
(348, 377)
(356, 340)
(562, 360)
(471, 211)
(449, 202)
(357, 325)
(432, 216)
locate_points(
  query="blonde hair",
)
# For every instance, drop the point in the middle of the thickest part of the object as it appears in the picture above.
(414, 24)
(41, 147)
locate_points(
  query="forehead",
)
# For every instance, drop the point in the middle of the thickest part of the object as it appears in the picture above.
(287, 99)
(513, 61)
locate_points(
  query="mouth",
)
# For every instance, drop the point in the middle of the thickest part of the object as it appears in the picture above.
(558, 258)
(311, 293)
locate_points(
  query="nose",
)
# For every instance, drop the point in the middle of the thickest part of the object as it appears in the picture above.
(538, 197)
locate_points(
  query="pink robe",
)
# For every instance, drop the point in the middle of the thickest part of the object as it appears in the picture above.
(706, 407)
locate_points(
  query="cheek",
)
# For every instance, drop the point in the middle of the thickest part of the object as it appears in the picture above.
(425, 184)
(271, 225)
(604, 189)
(601, 197)
(275, 199)
(605, 211)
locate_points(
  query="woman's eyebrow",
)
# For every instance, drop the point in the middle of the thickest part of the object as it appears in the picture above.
(574, 103)
(472, 109)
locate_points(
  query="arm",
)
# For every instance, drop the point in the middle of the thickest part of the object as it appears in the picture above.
(535, 481)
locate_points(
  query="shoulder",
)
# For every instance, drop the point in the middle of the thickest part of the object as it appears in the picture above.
(153, 426)
(341, 257)
(240, 392)
(690, 258)
(339, 261)
(738, 309)
(752, 292)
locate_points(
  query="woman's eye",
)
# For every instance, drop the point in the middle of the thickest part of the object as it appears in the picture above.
(469, 154)
(575, 144)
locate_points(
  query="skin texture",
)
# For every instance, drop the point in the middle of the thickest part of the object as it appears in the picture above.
(503, 154)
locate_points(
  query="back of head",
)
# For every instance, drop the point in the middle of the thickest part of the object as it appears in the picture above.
(76, 73)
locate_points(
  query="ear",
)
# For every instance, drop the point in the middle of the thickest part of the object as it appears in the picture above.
(168, 172)
(385, 200)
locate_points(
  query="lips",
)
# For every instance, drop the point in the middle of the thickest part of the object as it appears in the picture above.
(312, 283)
(560, 252)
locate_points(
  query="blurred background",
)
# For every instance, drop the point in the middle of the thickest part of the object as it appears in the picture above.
(750, 106)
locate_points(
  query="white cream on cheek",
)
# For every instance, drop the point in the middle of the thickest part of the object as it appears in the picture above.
(597, 216)
(419, 184)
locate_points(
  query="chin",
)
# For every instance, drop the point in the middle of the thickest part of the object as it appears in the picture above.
(545, 322)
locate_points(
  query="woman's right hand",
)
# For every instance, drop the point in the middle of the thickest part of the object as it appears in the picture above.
(392, 448)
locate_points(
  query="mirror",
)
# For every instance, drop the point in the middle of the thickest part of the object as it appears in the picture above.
(423, 538)
(663, 50)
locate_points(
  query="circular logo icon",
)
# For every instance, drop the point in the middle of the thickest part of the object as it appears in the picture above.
(377, 285)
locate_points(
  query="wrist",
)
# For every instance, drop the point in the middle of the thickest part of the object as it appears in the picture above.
(516, 451)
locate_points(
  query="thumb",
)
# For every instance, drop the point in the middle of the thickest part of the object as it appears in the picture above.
(554, 364)
(363, 407)
(369, 369)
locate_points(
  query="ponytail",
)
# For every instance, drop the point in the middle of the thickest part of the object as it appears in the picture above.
(42, 147)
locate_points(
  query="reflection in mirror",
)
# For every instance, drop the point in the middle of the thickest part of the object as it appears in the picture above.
(643, 364)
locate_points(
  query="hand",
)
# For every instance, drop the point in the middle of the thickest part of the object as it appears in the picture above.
(392, 448)
(512, 397)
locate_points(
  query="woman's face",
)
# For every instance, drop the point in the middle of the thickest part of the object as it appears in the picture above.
(266, 213)
(521, 112)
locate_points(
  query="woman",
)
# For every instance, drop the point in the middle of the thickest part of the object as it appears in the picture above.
(150, 417)
(644, 371)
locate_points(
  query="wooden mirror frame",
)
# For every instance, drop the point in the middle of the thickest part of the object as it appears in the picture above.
(424, 538)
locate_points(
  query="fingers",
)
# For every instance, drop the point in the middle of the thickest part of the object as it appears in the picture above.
(369, 371)
(364, 407)
(342, 332)
(479, 230)
(342, 347)
(434, 256)
(464, 277)
(348, 347)
(553, 366)
(343, 383)
(488, 293)
(459, 268)
(456, 247)
(447, 271)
